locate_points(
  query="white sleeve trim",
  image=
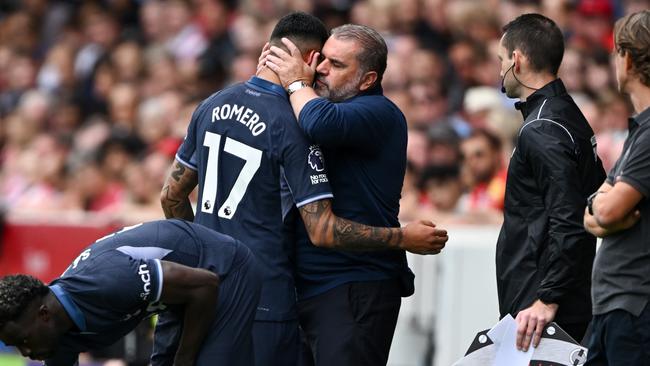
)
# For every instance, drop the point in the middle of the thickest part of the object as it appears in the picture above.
(314, 199)
(539, 114)
(160, 280)
(189, 165)
(548, 120)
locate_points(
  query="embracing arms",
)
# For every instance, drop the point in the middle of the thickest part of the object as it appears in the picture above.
(330, 231)
(325, 229)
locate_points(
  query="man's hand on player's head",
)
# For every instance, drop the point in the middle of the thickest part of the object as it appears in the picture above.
(422, 237)
(261, 61)
(290, 66)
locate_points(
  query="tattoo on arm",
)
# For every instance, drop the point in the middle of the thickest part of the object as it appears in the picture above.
(326, 229)
(178, 171)
(174, 197)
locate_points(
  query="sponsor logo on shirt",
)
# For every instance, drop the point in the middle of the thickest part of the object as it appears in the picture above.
(253, 93)
(145, 276)
(318, 178)
(317, 163)
(315, 158)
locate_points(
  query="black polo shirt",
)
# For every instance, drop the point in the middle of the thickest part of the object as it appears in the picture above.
(621, 276)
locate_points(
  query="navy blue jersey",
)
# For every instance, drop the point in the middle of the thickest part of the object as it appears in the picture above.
(117, 281)
(241, 141)
(364, 139)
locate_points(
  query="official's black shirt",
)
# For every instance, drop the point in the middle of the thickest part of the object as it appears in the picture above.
(543, 250)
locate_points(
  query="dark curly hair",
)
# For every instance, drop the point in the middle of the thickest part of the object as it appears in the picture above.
(16, 292)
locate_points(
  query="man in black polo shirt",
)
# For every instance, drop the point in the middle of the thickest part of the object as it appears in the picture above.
(544, 256)
(619, 212)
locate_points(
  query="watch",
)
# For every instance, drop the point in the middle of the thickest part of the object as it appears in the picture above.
(590, 202)
(295, 86)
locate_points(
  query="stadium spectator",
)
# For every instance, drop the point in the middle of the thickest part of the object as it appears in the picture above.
(484, 171)
(544, 256)
(444, 145)
(363, 136)
(169, 267)
(443, 188)
(619, 212)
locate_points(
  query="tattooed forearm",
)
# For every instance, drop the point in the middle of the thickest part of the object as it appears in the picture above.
(327, 230)
(354, 236)
(177, 172)
(176, 208)
(174, 196)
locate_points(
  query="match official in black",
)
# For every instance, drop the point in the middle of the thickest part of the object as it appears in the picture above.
(544, 255)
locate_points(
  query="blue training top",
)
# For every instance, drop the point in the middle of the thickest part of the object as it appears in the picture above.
(117, 281)
(241, 141)
(364, 141)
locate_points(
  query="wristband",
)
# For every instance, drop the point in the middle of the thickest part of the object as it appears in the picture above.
(590, 202)
(295, 86)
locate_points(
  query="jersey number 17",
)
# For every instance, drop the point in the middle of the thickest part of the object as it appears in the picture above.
(252, 158)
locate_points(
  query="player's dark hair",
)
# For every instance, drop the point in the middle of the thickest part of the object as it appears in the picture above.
(537, 37)
(16, 293)
(304, 30)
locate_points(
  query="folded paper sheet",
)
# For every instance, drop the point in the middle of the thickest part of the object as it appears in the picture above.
(496, 347)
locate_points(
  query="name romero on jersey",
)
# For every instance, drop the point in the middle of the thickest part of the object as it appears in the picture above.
(241, 114)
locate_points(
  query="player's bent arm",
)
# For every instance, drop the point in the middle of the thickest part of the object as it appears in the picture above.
(174, 196)
(330, 231)
(197, 290)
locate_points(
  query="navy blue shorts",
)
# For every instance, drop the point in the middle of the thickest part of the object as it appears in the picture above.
(230, 341)
(276, 343)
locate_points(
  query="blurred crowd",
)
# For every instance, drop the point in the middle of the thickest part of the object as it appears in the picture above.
(96, 96)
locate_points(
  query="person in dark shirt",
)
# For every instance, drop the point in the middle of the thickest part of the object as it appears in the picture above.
(349, 300)
(619, 212)
(206, 280)
(241, 144)
(544, 255)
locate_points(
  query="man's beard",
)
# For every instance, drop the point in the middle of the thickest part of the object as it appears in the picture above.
(347, 91)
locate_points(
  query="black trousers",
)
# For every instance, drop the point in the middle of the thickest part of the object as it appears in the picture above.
(350, 325)
(619, 338)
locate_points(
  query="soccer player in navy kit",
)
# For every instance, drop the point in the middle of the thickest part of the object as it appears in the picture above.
(240, 143)
(207, 284)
